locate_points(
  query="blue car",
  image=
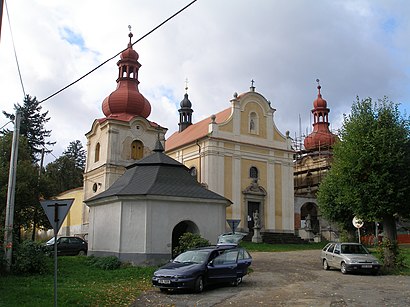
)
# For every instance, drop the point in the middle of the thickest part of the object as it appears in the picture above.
(196, 268)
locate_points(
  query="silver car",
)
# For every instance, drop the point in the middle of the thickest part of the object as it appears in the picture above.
(349, 257)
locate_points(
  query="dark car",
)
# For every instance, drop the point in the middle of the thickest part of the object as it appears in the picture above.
(196, 268)
(349, 257)
(68, 246)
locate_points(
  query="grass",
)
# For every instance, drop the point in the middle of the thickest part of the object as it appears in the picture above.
(83, 285)
(265, 247)
(78, 283)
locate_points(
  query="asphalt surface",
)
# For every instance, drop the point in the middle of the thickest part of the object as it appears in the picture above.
(293, 279)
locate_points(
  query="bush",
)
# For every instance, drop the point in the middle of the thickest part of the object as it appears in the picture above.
(393, 250)
(190, 240)
(30, 258)
(105, 263)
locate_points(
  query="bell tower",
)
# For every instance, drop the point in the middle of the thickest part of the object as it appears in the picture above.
(125, 135)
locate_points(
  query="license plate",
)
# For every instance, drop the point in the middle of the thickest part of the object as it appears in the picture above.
(164, 281)
(366, 266)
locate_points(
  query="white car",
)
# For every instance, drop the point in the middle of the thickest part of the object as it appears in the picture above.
(349, 257)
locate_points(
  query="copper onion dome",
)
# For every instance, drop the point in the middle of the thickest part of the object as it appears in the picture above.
(126, 101)
(321, 137)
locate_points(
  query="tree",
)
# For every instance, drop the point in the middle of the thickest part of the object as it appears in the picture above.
(76, 151)
(33, 126)
(370, 175)
(66, 172)
(27, 185)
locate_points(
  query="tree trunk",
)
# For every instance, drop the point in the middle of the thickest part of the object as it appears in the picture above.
(33, 234)
(389, 241)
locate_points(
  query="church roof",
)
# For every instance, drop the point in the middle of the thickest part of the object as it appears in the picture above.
(158, 174)
(126, 101)
(320, 137)
(195, 131)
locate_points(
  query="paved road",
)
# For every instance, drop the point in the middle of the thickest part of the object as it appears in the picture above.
(293, 279)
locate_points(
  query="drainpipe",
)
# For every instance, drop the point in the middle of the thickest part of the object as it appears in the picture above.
(199, 168)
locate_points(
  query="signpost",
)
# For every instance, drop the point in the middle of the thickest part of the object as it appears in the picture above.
(358, 223)
(233, 224)
(56, 211)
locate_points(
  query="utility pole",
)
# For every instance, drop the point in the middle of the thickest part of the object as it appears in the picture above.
(1, 14)
(11, 188)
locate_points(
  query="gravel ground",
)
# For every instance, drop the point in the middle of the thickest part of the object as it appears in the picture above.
(293, 279)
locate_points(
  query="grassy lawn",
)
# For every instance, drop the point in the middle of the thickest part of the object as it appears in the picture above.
(83, 285)
(264, 247)
(78, 284)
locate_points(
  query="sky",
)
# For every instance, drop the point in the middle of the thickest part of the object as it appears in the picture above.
(356, 49)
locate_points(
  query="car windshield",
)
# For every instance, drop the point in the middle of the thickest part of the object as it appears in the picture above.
(354, 249)
(234, 238)
(51, 241)
(192, 257)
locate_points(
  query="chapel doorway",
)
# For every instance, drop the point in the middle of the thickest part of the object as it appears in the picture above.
(309, 215)
(252, 207)
(179, 230)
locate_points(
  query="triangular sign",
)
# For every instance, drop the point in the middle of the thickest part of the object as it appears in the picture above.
(233, 224)
(56, 211)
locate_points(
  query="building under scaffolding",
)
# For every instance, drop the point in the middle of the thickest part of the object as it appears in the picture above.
(313, 158)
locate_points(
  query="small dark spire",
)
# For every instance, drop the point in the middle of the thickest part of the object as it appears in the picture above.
(318, 87)
(186, 86)
(252, 86)
(130, 35)
(158, 146)
(185, 112)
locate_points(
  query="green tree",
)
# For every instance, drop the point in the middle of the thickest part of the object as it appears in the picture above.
(370, 175)
(32, 126)
(66, 172)
(76, 151)
(27, 186)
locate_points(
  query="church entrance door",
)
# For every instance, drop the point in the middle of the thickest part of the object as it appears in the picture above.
(252, 207)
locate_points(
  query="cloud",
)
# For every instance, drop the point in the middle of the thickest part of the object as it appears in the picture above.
(353, 47)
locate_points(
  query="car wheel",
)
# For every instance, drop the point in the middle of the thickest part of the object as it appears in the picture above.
(81, 253)
(199, 284)
(375, 272)
(343, 268)
(237, 281)
(163, 290)
(325, 265)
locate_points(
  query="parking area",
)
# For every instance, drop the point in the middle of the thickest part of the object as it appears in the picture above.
(293, 279)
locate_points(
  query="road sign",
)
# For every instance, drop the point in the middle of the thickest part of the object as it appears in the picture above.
(357, 222)
(233, 224)
(56, 211)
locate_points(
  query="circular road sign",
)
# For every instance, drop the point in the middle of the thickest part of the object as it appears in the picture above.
(357, 222)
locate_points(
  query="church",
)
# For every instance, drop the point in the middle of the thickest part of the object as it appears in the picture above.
(239, 153)
(142, 191)
(312, 162)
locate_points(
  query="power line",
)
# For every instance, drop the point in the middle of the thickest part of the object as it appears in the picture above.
(113, 57)
(14, 48)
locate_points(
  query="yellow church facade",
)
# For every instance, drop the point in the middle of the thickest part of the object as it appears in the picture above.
(240, 153)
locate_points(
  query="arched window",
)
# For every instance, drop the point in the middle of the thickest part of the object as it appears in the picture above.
(137, 150)
(253, 123)
(253, 173)
(97, 152)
